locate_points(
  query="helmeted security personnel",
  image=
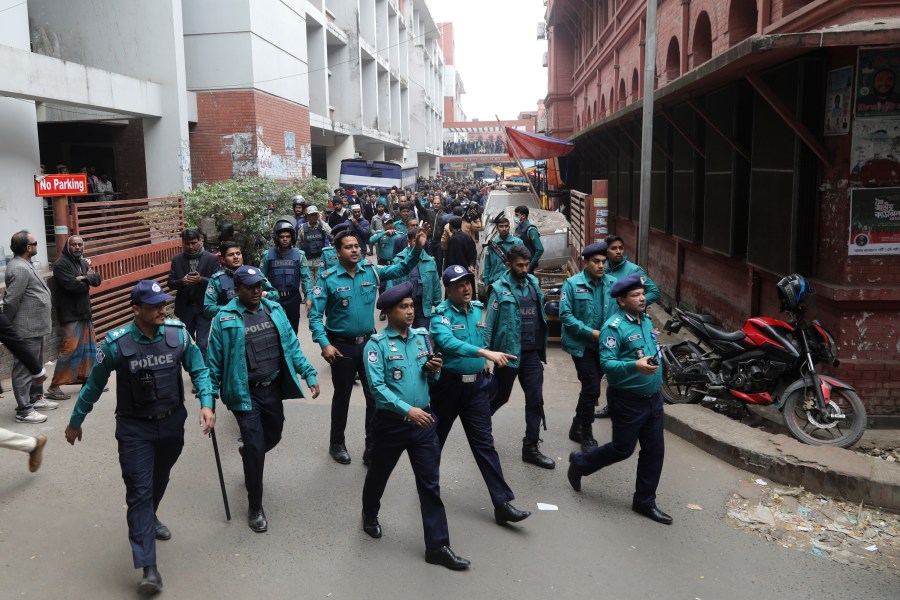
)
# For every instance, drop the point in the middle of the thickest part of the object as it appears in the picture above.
(462, 390)
(584, 306)
(399, 366)
(516, 325)
(254, 359)
(495, 254)
(619, 267)
(629, 355)
(530, 236)
(147, 356)
(286, 267)
(425, 279)
(220, 290)
(299, 204)
(341, 321)
(313, 237)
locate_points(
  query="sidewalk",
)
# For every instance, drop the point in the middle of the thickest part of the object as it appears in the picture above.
(848, 474)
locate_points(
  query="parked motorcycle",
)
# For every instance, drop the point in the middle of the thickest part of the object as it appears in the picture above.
(768, 362)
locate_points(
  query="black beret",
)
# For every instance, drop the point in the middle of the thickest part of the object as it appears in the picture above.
(595, 248)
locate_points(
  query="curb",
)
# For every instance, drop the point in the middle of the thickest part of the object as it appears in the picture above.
(833, 471)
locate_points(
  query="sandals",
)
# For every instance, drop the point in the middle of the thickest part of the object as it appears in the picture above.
(60, 395)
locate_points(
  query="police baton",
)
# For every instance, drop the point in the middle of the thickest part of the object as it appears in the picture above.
(212, 434)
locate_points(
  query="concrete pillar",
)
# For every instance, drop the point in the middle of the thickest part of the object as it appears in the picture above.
(374, 152)
(344, 147)
(19, 209)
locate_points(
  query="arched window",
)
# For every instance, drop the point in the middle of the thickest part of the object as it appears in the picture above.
(622, 100)
(673, 60)
(701, 51)
(741, 20)
(635, 85)
(602, 105)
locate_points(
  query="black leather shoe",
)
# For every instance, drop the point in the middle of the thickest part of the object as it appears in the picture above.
(371, 526)
(366, 457)
(532, 455)
(162, 532)
(575, 431)
(151, 583)
(446, 557)
(256, 519)
(572, 474)
(651, 512)
(339, 453)
(603, 413)
(587, 440)
(507, 513)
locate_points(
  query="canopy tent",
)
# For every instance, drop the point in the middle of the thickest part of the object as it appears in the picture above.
(534, 146)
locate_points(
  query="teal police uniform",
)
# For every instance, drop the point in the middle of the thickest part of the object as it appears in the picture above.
(220, 291)
(494, 264)
(426, 282)
(150, 431)
(384, 245)
(531, 239)
(625, 268)
(342, 315)
(635, 406)
(289, 274)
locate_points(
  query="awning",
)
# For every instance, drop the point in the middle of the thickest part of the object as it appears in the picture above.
(536, 147)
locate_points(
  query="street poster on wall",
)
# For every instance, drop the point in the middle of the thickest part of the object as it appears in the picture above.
(838, 98)
(878, 82)
(874, 221)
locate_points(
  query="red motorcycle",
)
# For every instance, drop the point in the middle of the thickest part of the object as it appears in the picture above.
(768, 362)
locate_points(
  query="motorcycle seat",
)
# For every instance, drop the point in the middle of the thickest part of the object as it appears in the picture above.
(727, 336)
(708, 319)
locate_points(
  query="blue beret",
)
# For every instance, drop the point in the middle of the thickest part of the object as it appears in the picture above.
(393, 296)
(455, 273)
(626, 284)
(595, 248)
(148, 292)
(248, 275)
(339, 228)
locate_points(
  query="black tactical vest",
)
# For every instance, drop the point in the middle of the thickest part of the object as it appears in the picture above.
(531, 320)
(226, 281)
(313, 241)
(284, 272)
(149, 375)
(263, 345)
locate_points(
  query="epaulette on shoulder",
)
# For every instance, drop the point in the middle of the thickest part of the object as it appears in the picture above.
(174, 323)
(421, 330)
(326, 273)
(377, 336)
(115, 334)
(478, 303)
(615, 322)
(439, 309)
(216, 275)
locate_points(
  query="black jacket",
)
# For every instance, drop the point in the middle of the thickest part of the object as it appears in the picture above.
(461, 250)
(190, 295)
(73, 296)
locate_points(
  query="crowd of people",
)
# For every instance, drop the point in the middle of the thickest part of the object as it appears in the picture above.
(491, 145)
(442, 356)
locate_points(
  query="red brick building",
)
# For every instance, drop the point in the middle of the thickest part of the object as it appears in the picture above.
(771, 137)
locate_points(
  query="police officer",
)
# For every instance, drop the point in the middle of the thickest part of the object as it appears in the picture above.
(299, 204)
(424, 277)
(516, 325)
(329, 253)
(495, 256)
(618, 267)
(629, 358)
(288, 270)
(584, 306)
(383, 241)
(254, 357)
(312, 237)
(399, 367)
(147, 356)
(220, 290)
(529, 234)
(462, 390)
(341, 320)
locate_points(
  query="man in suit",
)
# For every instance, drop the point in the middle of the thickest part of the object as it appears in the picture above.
(27, 305)
(189, 277)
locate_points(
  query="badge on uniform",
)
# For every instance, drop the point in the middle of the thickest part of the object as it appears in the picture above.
(210, 290)
(398, 375)
(345, 302)
(373, 356)
(100, 356)
(634, 337)
(562, 298)
(445, 320)
(640, 353)
(611, 342)
(495, 305)
(317, 291)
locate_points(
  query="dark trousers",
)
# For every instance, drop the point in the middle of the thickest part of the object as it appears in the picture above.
(25, 389)
(147, 452)
(633, 420)
(291, 306)
(389, 439)
(589, 374)
(261, 428)
(451, 398)
(531, 377)
(343, 374)
(197, 324)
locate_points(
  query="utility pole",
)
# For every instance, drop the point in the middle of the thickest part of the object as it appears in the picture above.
(643, 255)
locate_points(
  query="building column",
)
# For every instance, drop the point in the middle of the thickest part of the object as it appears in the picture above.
(343, 148)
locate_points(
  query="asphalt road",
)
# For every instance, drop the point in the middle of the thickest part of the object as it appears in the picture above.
(63, 532)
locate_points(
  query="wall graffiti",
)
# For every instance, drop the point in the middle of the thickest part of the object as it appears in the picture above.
(251, 156)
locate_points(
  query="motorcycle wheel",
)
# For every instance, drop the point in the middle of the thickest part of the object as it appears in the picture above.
(679, 393)
(810, 427)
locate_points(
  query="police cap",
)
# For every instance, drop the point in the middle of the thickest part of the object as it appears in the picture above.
(148, 292)
(455, 273)
(595, 248)
(247, 275)
(626, 284)
(339, 228)
(393, 296)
